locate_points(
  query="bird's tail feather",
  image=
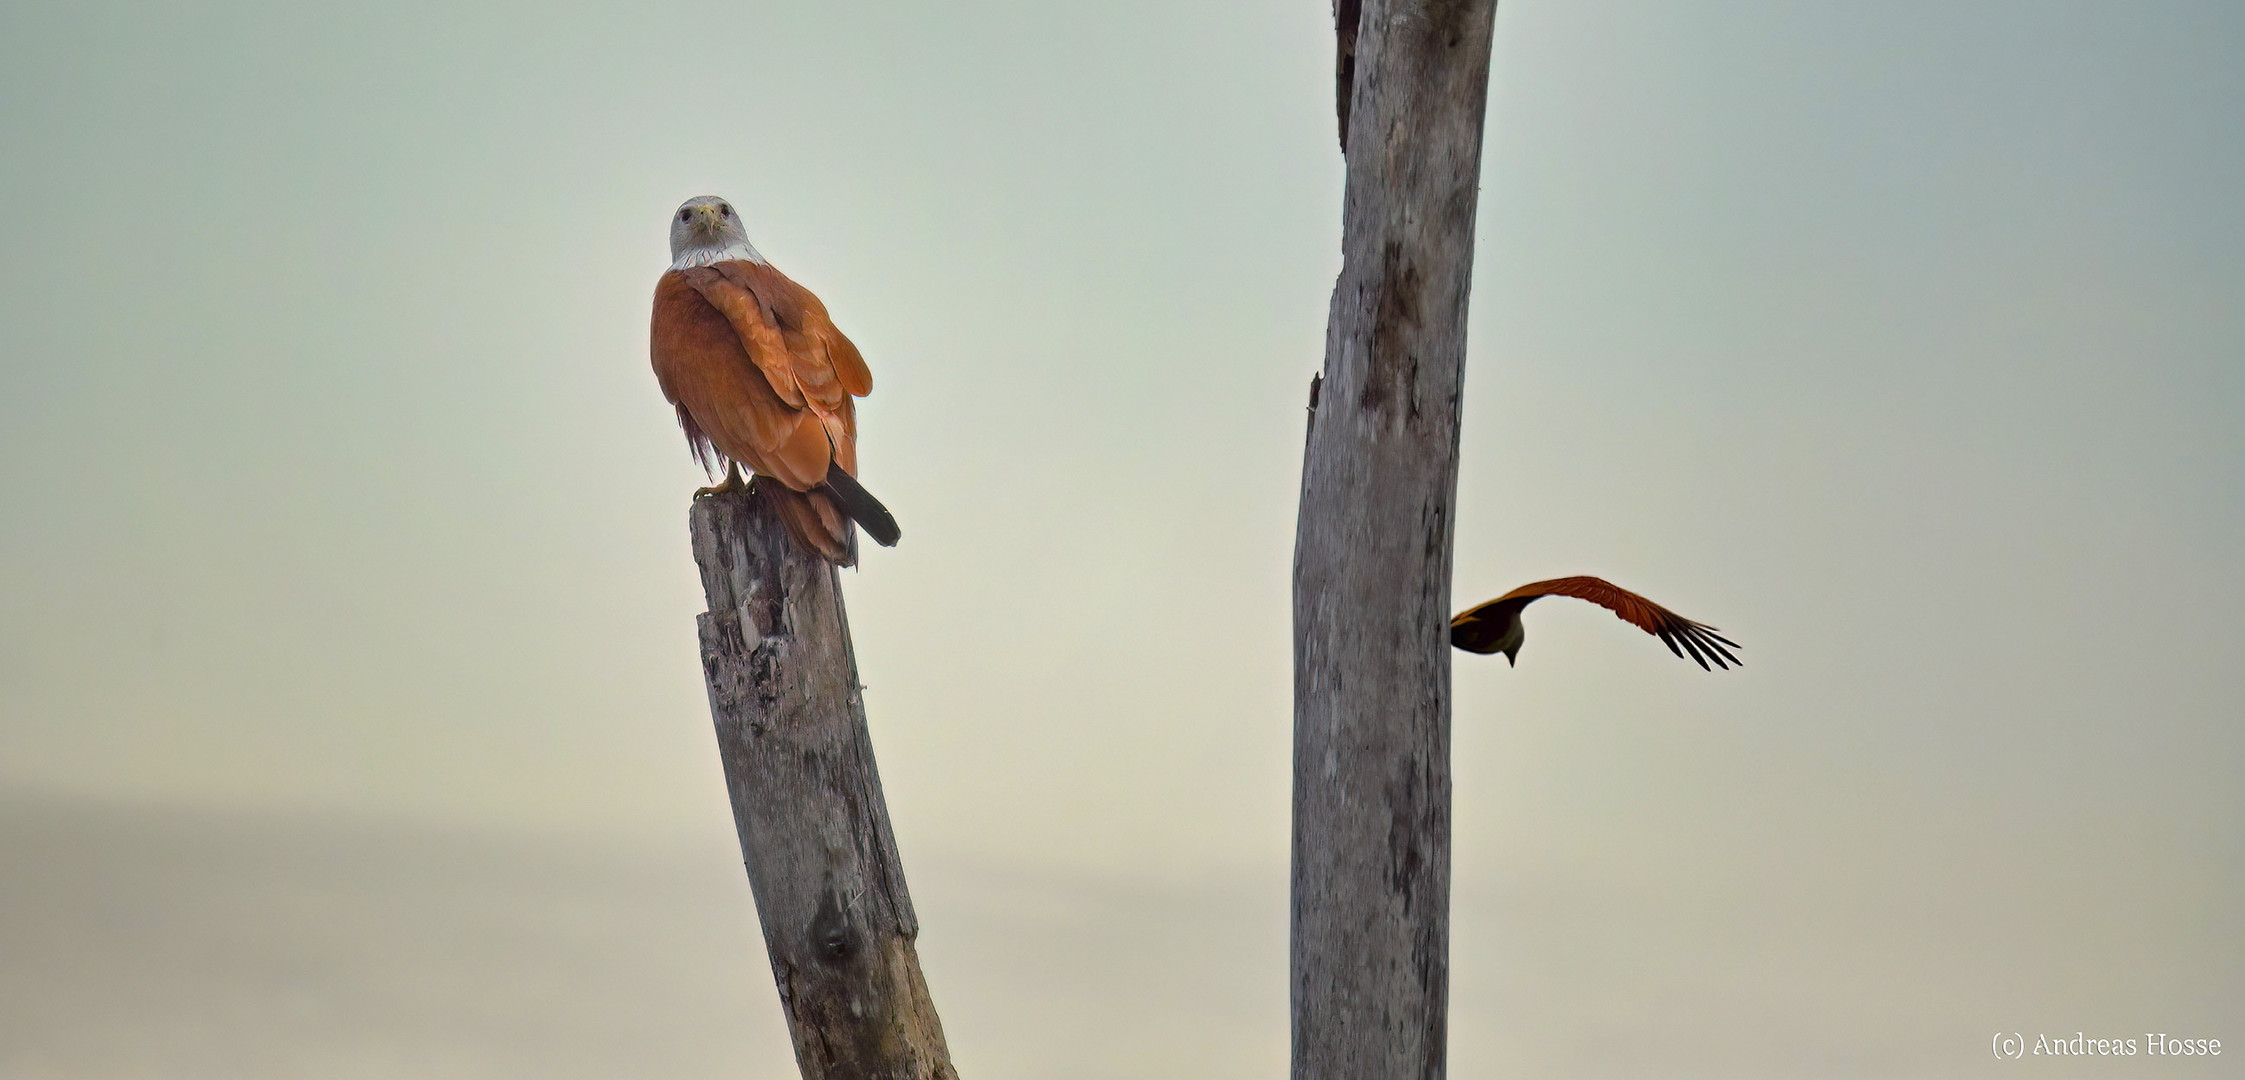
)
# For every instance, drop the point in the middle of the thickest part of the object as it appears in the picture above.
(814, 519)
(861, 507)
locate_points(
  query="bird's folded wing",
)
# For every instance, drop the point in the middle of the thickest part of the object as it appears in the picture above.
(705, 369)
(758, 331)
(823, 362)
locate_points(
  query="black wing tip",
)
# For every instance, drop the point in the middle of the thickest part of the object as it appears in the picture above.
(1701, 646)
(1709, 631)
(1714, 642)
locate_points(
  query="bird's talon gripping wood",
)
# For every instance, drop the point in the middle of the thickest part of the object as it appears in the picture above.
(732, 482)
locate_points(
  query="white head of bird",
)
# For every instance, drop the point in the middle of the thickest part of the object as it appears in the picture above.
(706, 230)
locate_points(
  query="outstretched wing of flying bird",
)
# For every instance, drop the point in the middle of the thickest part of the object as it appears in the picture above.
(1495, 626)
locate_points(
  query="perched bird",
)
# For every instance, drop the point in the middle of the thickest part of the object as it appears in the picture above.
(1494, 627)
(762, 379)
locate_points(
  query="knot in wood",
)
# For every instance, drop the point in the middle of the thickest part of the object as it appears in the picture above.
(834, 940)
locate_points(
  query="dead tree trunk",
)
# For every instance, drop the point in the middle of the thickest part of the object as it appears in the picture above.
(1371, 887)
(807, 802)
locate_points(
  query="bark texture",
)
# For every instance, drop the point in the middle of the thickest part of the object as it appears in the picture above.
(814, 829)
(1371, 852)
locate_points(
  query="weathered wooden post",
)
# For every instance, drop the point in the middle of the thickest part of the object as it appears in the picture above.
(1371, 885)
(807, 802)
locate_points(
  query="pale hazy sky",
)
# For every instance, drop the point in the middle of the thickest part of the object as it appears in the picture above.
(1905, 342)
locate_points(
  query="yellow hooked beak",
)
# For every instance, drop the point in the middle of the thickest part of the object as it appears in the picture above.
(708, 219)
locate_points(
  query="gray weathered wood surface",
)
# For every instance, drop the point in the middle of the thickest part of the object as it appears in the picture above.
(814, 829)
(1371, 854)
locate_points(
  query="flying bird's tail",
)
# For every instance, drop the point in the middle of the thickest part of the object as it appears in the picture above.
(862, 507)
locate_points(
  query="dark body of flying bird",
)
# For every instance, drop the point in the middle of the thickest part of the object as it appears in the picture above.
(1495, 627)
(762, 379)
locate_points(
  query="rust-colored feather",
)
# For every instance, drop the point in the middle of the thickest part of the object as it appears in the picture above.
(812, 517)
(752, 325)
(762, 378)
(1482, 627)
(825, 364)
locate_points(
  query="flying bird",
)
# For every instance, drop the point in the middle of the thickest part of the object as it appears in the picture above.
(762, 379)
(1494, 627)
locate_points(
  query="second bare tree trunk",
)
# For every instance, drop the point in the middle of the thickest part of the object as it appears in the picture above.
(1371, 853)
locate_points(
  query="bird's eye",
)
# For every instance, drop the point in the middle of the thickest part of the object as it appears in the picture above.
(724, 211)
(685, 215)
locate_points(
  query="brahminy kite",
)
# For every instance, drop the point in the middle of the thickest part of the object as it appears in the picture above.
(1494, 627)
(762, 379)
